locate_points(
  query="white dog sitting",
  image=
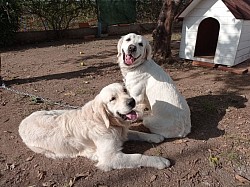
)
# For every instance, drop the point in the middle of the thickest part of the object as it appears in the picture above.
(96, 131)
(150, 85)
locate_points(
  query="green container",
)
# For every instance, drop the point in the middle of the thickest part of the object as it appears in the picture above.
(112, 12)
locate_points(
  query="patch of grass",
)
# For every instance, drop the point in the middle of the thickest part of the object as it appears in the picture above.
(214, 161)
(238, 138)
(232, 156)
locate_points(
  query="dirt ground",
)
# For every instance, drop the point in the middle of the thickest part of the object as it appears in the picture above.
(216, 152)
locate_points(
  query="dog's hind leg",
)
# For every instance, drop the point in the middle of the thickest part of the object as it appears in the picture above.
(165, 127)
(47, 153)
(110, 157)
(142, 136)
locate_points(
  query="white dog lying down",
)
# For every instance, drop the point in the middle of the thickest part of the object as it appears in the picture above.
(151, 86)
(96, 131)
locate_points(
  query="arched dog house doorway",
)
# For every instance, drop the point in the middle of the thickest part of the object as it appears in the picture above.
(207, 38)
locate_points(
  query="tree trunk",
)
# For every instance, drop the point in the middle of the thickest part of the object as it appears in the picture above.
(163, 32)
(1, 81)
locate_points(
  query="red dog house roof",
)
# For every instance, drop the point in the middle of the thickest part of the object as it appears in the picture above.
(239, 8)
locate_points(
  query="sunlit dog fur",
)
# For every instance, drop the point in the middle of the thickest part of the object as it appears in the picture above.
(96, 131)
(152, 87)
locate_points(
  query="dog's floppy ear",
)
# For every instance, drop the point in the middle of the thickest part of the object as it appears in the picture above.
(100, 111)
(148, 51)
(104, 115)
(119, 50)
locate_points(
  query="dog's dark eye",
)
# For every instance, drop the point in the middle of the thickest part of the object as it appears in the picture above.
(128, 39)
(141, 44)
(112, 99)
(125, 90)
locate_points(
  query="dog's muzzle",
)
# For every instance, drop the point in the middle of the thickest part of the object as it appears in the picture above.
(129, 59)
(132, 115)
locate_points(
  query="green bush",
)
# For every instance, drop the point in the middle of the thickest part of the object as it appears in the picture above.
(58, 14)
(9, 13)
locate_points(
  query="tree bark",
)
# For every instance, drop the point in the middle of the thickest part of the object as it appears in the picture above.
(1, 81)
(163, 32)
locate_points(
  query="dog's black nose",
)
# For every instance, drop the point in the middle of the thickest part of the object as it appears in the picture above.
(131, 102)
(131, 48)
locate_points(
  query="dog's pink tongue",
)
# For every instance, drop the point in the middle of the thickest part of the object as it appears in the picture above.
(129, 59)
(132, 116)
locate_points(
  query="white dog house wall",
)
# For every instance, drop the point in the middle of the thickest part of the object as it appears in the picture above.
(216, 31)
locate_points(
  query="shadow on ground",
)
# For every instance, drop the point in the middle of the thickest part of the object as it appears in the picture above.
(95, 70)
(54, 43)
(206, 113)
(208, 110)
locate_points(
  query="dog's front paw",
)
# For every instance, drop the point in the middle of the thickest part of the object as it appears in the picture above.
(155, 138)
(163, 163)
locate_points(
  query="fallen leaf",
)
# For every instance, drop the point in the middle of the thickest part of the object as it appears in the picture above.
(7, 131)
(196, 160)
(81, 175)
(77, 177)
(29, 158)
(41, 174)
(153, 177)
(242, 179)
(6, 120)
(166, 175)
(71, 183)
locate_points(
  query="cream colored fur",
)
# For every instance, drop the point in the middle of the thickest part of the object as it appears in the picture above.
(96, 131)
(152, 87)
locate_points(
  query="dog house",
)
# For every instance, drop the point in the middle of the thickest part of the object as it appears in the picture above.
(216, 31)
